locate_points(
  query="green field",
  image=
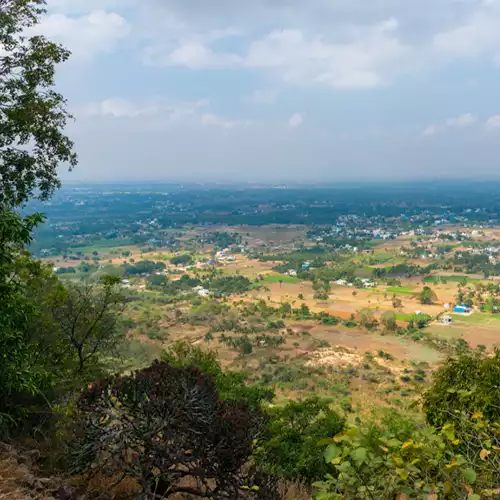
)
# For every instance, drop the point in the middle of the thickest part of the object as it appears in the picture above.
(363, 272)
(454, 279)
(401, 289)
(381, 258)
(478, 318)
(403, 317)
(276, 278)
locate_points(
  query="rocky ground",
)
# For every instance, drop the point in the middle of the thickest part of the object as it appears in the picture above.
(20, 478)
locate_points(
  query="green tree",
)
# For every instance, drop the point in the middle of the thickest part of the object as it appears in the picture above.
(232, 385)
(86, 318)
(291, 451)
(389, 320)
(18, 373)
(366, 318)
(427, 296)
(32, 114)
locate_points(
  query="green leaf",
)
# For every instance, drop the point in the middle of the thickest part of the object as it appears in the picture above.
(325, 441)
(475, 496)
(332, 451)
(469, 475)
(359, 455)
(403, 474)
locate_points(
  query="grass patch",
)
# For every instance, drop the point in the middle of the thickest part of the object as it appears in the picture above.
(478, 318)
(276, 278)
(381, 258)
(364, 272)
(403, 316)
(401, 289)
(453, 279)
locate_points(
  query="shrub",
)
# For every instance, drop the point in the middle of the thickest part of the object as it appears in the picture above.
(394, 457)
(164, 425)
(468, 382)
(291, 451)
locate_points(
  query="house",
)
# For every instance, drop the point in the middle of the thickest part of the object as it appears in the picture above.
(341, 282)
(292, 272)
(367, 283)
(203, 292)
(446, 320)
(461, 309)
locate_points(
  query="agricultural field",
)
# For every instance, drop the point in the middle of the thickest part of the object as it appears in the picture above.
(346, 313)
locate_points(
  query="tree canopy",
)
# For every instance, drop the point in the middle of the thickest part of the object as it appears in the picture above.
(32, 114)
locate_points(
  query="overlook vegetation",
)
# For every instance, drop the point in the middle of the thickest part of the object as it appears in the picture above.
(181, 360)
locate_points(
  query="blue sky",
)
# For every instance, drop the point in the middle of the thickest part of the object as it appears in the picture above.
(281, 90)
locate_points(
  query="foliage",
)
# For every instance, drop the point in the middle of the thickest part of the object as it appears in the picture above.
(427, 295)
(367, 318)
(231, 385)
(228, 285)
(401, 459)
(222, 240)
(467, 382)
(86, 319)
(32, 114)
(144, 267)
(389, 320)
(164, 425)
(50, 331)
(181, 260)
(291, 450)
(19, 372)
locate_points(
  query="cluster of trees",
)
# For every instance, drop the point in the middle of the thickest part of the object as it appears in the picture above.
(184, 425)
(456, 454)
(475, 263)
(485, 297)
(143, 267)
(404, 270)
(223, 239)
(182, 260)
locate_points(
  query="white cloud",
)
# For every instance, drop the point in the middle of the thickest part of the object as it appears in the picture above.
(366, 59)
(263, 96)
(493, 122)
(117, 107)
(431, 130)
(462, 121)
(455, 122)
(296, 120)
(193, 55)
(85, 6)
(87, 35)
(213, 120)
(478, 34)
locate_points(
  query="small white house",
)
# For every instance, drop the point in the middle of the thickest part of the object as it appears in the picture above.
(203, 292)
(292, 272)
(446, 320)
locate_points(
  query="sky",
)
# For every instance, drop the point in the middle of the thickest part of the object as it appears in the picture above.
(277, 90)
